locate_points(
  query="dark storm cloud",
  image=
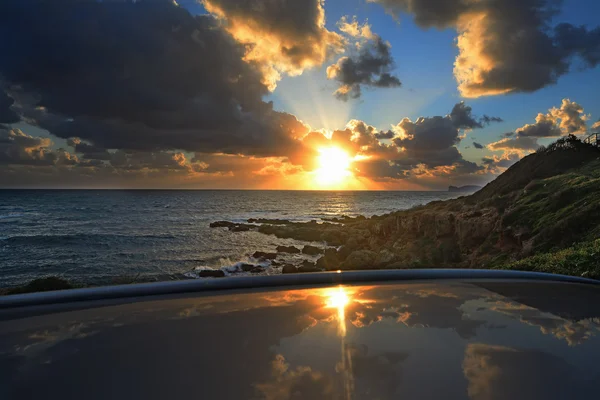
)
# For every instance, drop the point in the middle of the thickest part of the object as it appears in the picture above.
(371, 66)
(89, 151)
(427, 13)
(505, 45)
(7, 116)
(385, 135)
(462, 117)
(428, 134)
(155, 160)
(426, 146)
(478, 146)
(488, 120)
(543, 127)
(378, 169)
(18, 148)
(140, 76)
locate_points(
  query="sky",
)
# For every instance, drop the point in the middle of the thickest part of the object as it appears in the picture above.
(279, 94)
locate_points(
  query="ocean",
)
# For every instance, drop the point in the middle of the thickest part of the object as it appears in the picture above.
(98, 236)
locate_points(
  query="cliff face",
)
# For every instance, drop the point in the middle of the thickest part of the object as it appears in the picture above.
(547, 201)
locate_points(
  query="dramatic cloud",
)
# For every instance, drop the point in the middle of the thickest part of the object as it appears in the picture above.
(369, 66)
(504, 372)
(7, 116)
(89, 151)
(505, 45)
(298, 383)
(462, 118)
(596, 125)
(18, 148)
(478, 146)
(519, 143)
(488, 120)
(354, 29)
(425, 147)
(545, 126)
(571, 116)
(143, 86)
(568, 119)
(497, 165)
(384, 135)
(285, 36)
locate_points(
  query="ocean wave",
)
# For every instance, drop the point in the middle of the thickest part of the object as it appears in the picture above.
(11, 215)
(234, 270)
(87, 238)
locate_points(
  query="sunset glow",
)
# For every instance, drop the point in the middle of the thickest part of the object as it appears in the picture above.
(334, 164)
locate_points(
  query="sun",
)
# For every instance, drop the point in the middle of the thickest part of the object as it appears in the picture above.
(334, 164)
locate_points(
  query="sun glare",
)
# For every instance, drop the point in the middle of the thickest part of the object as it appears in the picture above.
(334, 164)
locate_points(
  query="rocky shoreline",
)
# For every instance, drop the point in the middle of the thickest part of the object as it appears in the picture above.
(542, 214)
(340, 240)
(544, 203)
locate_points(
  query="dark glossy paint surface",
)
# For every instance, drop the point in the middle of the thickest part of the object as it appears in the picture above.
(476, 339)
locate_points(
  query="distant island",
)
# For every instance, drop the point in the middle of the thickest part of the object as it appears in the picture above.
(467, 188)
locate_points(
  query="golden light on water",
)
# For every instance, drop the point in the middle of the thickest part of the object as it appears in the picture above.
(334, 166)
(338, 298)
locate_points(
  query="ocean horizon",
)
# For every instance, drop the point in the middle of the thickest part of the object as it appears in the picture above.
(95, 236)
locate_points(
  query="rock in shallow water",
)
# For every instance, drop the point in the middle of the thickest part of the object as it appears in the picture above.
(240, 228)
(289, 269)
(312, 250)
(222, 224)
(247, 267)
(288, 249)
(266, 256)
(211, 273)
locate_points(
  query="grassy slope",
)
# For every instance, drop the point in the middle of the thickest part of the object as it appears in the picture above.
(546, 202)
(580, 260)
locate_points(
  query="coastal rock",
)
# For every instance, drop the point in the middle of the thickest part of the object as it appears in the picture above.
(222, 224)
(360, 259)
(270, 221)
(257, 270)
(264, 255)
(288, 249)
(312, 250)
(334, 237)
(211, 273)
(308, 266)
(343, 252)
(385, 257)
(247, 267)
(240, 228)
(329, 261)
(289, 269)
